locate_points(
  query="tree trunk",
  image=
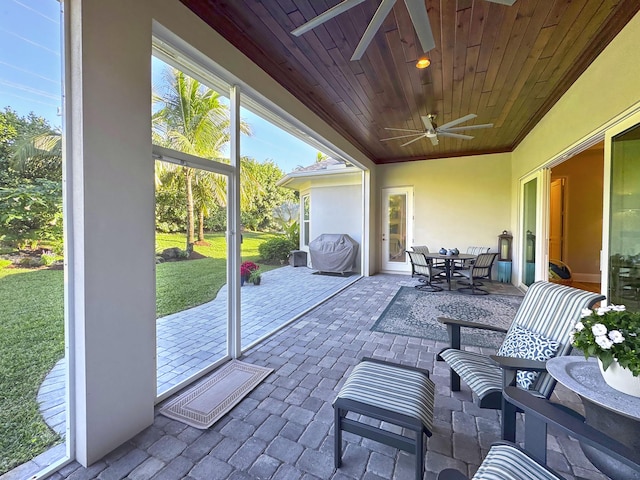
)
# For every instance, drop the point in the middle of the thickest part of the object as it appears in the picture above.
(201, 224)
(190, 216)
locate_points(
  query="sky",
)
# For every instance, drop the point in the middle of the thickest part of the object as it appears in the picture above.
(31, 80)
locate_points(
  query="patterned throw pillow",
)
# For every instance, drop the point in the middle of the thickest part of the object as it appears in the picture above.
(523, 343)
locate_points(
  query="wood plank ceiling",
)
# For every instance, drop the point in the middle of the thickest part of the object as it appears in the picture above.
(507, 64)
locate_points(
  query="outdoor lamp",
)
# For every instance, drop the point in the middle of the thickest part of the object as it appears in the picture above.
(530, 252)
(504, 246)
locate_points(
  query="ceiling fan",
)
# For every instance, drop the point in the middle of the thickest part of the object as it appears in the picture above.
(417, 11)
(432, 131)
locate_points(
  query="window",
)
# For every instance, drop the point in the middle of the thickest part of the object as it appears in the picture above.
(306, 219)
(32, 340)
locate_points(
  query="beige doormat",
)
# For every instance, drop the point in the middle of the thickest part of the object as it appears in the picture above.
(205, 403)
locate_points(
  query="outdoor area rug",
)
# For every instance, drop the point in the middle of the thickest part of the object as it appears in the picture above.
(413, 313)
(205, 403)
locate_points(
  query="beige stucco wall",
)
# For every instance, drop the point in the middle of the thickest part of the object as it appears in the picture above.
(458, 202)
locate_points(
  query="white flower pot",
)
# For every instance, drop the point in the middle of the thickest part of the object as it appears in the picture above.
(621, 379)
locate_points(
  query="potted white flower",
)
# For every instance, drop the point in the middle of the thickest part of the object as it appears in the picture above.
(612, 335)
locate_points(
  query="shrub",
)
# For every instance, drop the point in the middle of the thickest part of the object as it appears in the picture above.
(31, 213)
(4, 263)
(217, 220)
(47, 258)
(276, 250)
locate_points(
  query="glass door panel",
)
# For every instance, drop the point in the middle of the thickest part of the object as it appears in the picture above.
(528, 234)
(396, 223)
(624, 232)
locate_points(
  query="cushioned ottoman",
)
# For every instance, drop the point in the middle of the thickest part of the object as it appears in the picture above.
(391, 393)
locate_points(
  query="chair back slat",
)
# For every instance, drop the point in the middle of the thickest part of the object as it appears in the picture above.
(484, 260)
(420, 248)
(478, 250)
(419, 263)
(552, 310)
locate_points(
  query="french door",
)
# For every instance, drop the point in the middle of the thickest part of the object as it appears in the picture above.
(397, 227)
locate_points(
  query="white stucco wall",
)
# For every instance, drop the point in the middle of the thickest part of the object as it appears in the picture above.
(458, 202)
(337, 209)
(111, 282)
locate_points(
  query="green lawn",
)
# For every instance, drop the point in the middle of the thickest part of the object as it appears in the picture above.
(185, 284)
(32, 331)
(31, 342)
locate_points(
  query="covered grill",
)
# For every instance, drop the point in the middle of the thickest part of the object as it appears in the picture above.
(333, 252)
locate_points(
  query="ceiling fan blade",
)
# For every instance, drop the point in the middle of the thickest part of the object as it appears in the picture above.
(455, 135)
(404, 130)
(414, 140)
(374, 25)
(401, 136)
(427, 123)
(503, 2)
(420, 19)
(434, 140)
(323, 17)
(452, 123)
(469, 127)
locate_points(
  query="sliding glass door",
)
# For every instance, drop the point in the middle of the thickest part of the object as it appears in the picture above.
(624, 217)
(528, 233)
(193, 172)
(533, 229)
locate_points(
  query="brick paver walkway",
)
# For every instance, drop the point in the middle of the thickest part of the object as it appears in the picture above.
(191, 340)
(284, 428)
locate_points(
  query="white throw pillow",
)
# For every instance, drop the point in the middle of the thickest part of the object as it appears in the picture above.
(523, 343)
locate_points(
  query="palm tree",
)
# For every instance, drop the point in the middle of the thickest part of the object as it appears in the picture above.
(39, 154)
(191, 119)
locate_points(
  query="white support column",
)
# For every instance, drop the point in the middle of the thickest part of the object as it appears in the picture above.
(234, 229)
(112, 274)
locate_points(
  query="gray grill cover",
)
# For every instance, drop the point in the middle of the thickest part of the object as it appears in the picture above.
(333, 252)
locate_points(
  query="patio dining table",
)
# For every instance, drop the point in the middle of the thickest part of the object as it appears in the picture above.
(449, 261)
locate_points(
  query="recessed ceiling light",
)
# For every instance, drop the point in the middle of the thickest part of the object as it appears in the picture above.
(423, 62)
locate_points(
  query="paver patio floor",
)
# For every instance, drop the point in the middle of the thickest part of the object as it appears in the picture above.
(284, 428)
(191, 340)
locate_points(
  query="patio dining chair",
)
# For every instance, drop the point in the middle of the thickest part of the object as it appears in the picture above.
(539, 331)
(506, 460)
(425, 249)
(422, 268)
(468, 262)
(479, 269)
